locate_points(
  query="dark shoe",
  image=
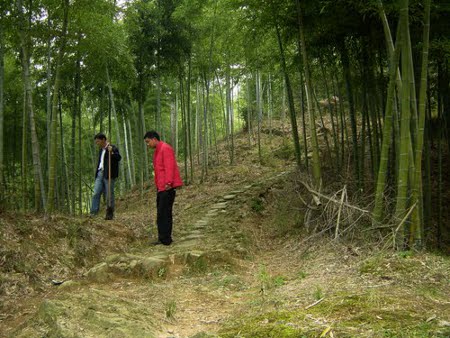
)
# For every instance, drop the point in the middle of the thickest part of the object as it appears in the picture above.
(109, 214)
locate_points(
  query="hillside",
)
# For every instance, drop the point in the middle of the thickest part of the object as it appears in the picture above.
(243, 264)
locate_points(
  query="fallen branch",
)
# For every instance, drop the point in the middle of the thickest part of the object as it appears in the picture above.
(332, 199)
(344, 191)
(403, 221)
(315, 303)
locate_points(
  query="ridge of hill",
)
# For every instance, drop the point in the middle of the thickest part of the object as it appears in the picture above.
(242, 265)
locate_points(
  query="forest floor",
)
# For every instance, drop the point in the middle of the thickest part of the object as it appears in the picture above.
(242, 265)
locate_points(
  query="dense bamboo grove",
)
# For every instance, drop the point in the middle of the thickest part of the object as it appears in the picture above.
(365, 85)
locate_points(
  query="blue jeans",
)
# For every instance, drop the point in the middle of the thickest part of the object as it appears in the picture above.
(101, 187)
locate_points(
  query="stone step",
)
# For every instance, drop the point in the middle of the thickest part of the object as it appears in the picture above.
(221, 205)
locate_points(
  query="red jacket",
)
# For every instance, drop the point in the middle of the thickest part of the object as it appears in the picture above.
(166, 168)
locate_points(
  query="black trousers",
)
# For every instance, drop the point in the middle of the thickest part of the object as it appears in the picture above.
(164, 204)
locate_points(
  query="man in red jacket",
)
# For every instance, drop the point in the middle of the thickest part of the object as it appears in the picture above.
(167, 179)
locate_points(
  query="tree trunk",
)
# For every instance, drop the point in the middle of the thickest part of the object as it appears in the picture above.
(405, 130)
(212, 126)
(54, 126)
(189, 118)
(249, 113)
(259, 112)
(144, 174)
(39, 192)
(197, 122)
(388, 125)
(325, 133)
(417, 193)
(330, 108)
(159, 126)
(232, 125)
(349, 88)
(229, 115)
(127, 153)
(2, 182)
(24, 168)
(225, 111)
(303, 114)
(317, 171)
(184, 128)
(114, 115)
(49, 89)
(204, 129)
(173, 123)
(76, 110)
(387, 132)
(427, 162)
(283, 102)
(132, 155)
(270, 106)
(65, 201)
(80, 152)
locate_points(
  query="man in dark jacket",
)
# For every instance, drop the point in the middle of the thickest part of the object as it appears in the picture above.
(102, 184)
(167, 179)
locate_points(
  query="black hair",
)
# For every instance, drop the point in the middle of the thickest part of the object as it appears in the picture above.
(152, 134)
(100, 136)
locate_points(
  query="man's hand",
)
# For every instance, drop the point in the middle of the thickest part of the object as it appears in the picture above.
(109, 148)
(168, 186)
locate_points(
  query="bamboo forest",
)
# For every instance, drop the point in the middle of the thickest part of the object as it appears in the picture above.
(312, 138)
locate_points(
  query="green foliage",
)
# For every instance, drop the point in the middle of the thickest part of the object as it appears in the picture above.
(318, 293)
(279, 281)
(302, 275)
(171, 309)
(405, 254)
(199, 266)
(270, 324)
(257, 204)
(285, 152)
(162, 272)
(268, 281)
(229, 282)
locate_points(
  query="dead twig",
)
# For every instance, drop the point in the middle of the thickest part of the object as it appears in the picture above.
(344, 192)
(312, 191)
(315, 303)
(403, 221)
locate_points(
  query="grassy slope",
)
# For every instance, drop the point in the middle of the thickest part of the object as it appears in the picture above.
(255, 273)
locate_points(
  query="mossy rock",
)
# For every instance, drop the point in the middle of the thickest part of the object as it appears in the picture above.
(69, 285)
(99, 273)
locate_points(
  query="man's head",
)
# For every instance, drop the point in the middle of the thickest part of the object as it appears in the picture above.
(100, 140)
(151, 138)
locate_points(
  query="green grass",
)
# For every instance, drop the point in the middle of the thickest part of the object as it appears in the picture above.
(171, 309)
(347, 316)
(267, 281)
(257, 205)
(318, 293)
(267, 325)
